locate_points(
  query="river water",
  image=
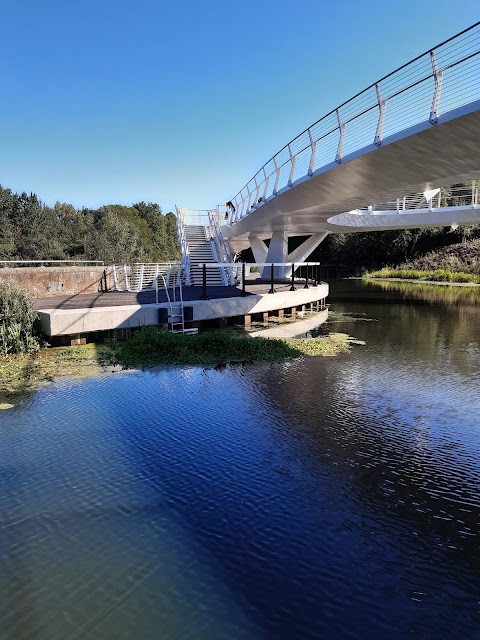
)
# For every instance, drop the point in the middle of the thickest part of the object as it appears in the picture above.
(316, 498)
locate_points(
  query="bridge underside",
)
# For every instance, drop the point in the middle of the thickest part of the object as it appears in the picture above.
(418, 159)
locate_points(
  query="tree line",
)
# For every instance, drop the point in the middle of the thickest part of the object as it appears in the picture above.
(373, 250)
(31, 230)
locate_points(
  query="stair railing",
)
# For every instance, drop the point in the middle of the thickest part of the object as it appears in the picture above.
(182, 241)
(223, 272)
(222, 248)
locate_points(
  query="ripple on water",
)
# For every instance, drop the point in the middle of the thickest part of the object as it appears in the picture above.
(310, 499)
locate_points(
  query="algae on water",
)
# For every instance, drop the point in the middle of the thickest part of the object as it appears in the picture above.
(26, 372)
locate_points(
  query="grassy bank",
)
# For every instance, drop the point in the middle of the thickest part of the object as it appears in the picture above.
(436, 275)
(26, 372)
(456, 263)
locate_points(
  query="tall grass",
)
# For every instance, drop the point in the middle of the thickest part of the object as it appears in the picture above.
(17, 319)
(437, 275)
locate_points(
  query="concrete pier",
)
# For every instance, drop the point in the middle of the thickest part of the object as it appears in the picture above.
(80, 315)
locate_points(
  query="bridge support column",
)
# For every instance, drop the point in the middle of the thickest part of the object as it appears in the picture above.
(301, 253)
(277, 252)
(259, 249)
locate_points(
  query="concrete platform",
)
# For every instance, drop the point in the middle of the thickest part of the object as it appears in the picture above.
(82, 314)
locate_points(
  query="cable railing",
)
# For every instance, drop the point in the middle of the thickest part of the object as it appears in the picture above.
(140, 276)
(438, 81)
(222, 248)
(455, 196)
(182, 241)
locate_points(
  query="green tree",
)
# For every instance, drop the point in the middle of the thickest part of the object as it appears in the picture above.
(7, 231)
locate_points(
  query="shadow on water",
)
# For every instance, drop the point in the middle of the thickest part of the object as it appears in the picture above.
(316, 498)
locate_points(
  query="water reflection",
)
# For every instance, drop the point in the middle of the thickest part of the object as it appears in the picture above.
(304, 327)
(318, 498)
(463, 295)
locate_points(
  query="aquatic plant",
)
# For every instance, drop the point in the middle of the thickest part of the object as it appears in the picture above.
(149, 347)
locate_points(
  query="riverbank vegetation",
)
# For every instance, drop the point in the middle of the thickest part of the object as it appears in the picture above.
(438, 275)
(423, 249)
(431, 292)
(18, 330)
(31, 230)
(147, 348)
(455, 263)
(24, 372)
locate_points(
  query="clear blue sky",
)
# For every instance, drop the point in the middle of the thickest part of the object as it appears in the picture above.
(115, 101)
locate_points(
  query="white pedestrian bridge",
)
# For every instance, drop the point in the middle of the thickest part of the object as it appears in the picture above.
(388, 158)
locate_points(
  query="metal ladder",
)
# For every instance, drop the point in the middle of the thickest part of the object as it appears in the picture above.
(176, 310)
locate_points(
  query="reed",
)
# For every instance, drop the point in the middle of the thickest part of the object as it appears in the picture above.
(436, 275)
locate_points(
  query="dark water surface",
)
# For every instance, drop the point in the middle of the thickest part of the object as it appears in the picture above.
(318, 498)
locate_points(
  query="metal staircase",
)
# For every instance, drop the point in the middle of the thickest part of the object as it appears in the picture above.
(201, 241)
(201, 250)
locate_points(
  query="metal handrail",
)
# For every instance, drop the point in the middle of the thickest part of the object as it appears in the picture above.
(139, 276)
(176, 304)
(199, 217)
(447, 75)
(436, 199)
(182, 241)
(222, 248)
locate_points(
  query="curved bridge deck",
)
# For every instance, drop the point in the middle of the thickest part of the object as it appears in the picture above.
(413, 131)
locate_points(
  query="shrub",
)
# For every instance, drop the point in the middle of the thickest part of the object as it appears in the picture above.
(17, 318)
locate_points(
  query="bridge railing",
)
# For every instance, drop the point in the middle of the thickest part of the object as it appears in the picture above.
(309, 271)
(455, 196)
(436, 82)
(198, 217)
(143, 275)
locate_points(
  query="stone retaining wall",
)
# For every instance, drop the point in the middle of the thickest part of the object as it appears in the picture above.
(44, 282)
